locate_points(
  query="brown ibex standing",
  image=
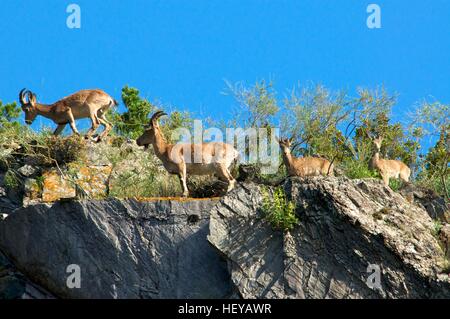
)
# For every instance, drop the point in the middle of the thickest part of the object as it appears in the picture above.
(304, 166)
(180, 159)
(91, 104)
(388, 168)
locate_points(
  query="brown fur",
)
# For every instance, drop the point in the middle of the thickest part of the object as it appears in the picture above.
(304, 166)
(91, 104)
(215, 158)
(388, 168)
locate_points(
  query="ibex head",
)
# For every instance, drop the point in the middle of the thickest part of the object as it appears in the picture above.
(285, 144)
(29, 107)
(377, 142)
(149, 135)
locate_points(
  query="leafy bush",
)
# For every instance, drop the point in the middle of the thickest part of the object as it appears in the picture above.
(355, 169)
(278, 211)
(9, 114)
(446, 266)
(11, 180)
(144, 184)
(437, 226)
(395, 184)
(49, 150)
(131, 122)
(136, 173)
(435, 183)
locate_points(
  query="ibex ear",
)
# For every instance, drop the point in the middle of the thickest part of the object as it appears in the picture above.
(291, 139)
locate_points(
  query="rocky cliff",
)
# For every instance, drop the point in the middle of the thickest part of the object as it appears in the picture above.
(345, 226)
(351, 233)
(125, 249)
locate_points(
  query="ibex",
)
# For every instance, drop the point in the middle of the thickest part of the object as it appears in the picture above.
(180, 159)
(388, 168)
(91, 104)
(304, 166)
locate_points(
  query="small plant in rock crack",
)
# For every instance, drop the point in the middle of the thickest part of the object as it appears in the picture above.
(11, 180)
(437, 226)
(278, 210)
(446, 266)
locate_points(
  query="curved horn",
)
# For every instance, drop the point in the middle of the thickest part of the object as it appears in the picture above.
(157, 115)
(31, 95)
(22, 96)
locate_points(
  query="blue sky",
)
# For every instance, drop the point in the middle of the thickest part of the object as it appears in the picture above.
(180, 51)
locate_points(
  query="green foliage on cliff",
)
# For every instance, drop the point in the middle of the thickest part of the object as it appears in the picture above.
(9, 116)
(10, 180)
(339, 127)
(131, 122)
(331, 124)
(278, 210)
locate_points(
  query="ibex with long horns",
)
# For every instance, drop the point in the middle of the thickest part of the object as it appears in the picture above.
(388, 168)
(91, 104)
(184, 159)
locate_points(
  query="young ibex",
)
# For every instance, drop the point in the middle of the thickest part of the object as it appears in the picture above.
(213, 158)
(91, 104)
(388, 168)
(304, 166)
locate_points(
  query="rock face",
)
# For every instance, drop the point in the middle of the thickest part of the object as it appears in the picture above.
(435, 205)
(91, 181)
(14, 285)
(445, 240)
(348, 229)
(125, 249)
(9, 198)
(355, 239)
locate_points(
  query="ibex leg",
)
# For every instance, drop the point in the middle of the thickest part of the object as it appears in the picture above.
(224, 175)
(59, 129)
(386, 180)
(106, 124)
(94, 126)
(182, 175)
(72, 123)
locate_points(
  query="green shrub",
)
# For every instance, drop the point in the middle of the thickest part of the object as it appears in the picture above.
(137, 174)
(40, 182)
(437, 226)
(9, 114)
(434, 183)
(278, 211)
(446, 266)
(131, 122)
(41, 148)
(395, 184)
(49, 150)
(144, 185)
(11, 180)
(355, 169)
